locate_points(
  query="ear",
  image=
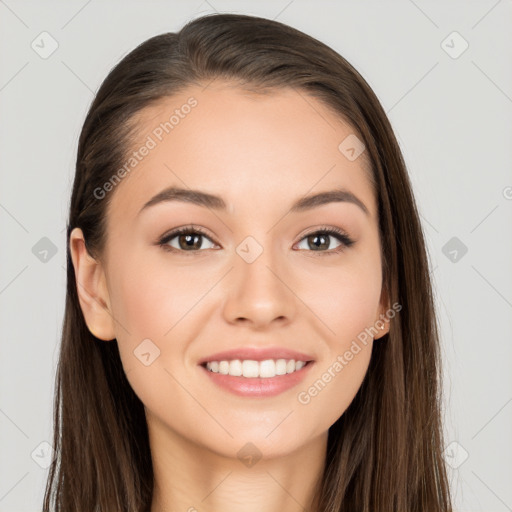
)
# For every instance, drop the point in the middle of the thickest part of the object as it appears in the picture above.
(91, 288)
(382, 320)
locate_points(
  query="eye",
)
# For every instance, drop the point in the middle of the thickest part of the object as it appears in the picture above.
(188, 239)
(320, 239)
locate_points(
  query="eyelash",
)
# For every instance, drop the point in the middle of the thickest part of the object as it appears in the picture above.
(340, 235)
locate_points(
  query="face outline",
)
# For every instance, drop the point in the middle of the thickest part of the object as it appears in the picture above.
(260, 154)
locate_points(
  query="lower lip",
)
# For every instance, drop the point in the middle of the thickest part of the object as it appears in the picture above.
(259, 387)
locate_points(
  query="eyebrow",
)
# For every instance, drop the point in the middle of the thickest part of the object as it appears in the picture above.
(200, 198)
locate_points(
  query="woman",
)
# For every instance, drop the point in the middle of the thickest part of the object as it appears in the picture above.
(249, 319)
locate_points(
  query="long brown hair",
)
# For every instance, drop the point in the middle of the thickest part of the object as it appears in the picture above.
(385, 452)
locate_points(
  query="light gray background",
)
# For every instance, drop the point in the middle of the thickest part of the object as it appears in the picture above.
(453, 119)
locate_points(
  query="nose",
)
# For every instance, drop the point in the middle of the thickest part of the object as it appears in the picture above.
(259, 293)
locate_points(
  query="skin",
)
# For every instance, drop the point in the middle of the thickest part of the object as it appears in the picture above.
(260, 153)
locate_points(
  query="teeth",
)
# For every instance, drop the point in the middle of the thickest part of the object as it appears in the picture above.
(253, 369)
(235, 368)
(223, 367)
(249, 368)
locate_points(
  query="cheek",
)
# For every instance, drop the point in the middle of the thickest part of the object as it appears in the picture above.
(346, 308)
(152, 296)
(345, 299)
(154, 301)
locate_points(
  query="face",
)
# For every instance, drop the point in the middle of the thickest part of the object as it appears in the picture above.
(252, 272)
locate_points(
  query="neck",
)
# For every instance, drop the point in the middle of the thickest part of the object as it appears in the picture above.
(193, 478)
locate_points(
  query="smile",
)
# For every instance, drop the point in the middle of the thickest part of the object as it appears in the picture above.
(256, 379)
(251, 369)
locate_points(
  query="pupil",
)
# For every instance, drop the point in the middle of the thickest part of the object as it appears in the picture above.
(189, 240)
(317, 237)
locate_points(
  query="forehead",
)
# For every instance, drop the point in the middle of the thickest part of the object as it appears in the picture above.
(247, 147)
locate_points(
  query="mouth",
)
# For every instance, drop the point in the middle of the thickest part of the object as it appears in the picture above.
(253, 369)
(256, 374)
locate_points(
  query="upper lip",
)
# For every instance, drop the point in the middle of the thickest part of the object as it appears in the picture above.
(257, 354)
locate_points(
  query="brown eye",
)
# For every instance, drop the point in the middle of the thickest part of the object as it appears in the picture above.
(319, 241)
(184, 240)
